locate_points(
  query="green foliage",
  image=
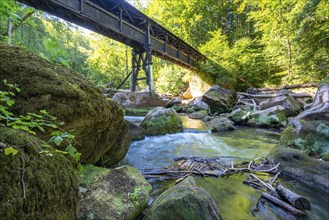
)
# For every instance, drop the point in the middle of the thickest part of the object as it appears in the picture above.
(170, 80)
(33, 123)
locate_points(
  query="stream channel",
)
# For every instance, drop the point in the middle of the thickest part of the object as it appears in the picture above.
(234, 199)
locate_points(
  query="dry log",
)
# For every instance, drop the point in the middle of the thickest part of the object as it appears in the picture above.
(294, 199)
(283, 204)
(300, 95)
(299, 86)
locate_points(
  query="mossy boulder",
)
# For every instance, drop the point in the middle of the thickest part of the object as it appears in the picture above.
(120, 193)
(219, 99)
(271, 117)
(137, 111)
(313, 138)
(34, 183)
(96, 122)
(297, 164)
(161, 121)
(185, 201)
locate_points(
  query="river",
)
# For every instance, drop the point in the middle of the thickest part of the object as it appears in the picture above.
(234, 199)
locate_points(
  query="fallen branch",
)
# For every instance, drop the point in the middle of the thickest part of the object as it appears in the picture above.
(298, 201)
(283, 204)
(300, 95)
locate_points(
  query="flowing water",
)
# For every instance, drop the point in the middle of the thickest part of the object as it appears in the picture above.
(234, 199)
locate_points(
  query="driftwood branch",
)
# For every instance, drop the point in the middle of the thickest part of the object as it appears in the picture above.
(298, 201)
(283, 204)
(299, 86)
(266, 96)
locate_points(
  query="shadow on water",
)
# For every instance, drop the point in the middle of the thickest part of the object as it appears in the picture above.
(234, 199)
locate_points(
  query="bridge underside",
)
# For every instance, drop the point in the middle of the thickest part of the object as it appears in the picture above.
(120, 21)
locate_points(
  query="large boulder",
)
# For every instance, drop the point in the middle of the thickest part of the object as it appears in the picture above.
(271, 117)
(162, 121)
(97, 123)
(219, 99)
(138, 99)
(220, 124)
(36, 183)
(297, 164)
(173, 101)
(119, 150)
(121, 193)
(184, 201)
(292, 107)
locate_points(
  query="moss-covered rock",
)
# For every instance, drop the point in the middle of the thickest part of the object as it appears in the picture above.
(239, 116)
(184, 201)
(313, 138)
(297, 164)
(271, 117)
(119, 150)
(219, 99)
(35, 184)
(120, 193)
(161, 121)
(95, 121)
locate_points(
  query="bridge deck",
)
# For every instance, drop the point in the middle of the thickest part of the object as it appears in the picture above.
(121, 21)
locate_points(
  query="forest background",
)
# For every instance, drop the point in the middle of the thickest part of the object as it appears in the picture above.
(258, 43)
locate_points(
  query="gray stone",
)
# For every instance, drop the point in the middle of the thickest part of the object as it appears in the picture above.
(221, 124)
(136, 132)
(219, 99)
(174, 101)
(198, 115)
(138, 99)
(271, 117)
(292, 107)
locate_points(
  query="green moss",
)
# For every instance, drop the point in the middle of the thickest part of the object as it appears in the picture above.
(48, 180)
(110, 194)
(325, 81)
(92, 174)
(95, 121)
(185, 201)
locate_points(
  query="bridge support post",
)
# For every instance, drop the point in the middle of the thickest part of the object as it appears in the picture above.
(142, 59)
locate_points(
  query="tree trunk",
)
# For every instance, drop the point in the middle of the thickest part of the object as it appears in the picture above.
(9, 31)
(289, 57)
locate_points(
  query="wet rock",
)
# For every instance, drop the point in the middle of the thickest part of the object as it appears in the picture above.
(96, 122)
(199, 105)
(297, 164)
(36, 184)
(198, 115)
(219, 99)
(138, 99)
(271, 117)
(161, 121)
(292, 107)
(221, 124)
(184, 201)
(136, 132)
(174, 101)
(121, 193)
